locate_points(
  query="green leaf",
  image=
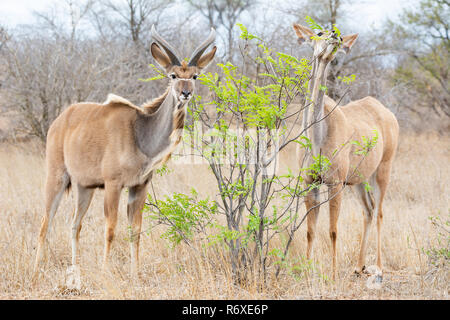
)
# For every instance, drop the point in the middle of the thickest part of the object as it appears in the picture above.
(312, 23)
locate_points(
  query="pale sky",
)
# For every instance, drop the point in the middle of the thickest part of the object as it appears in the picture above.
(14, 12)
(367, 13)
(370, 13)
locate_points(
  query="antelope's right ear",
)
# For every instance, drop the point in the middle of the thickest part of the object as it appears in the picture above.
(206, 59)
(160, 56)
(304, 34)
(348, 42)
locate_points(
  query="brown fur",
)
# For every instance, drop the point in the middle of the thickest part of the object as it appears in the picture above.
(114, 160)
(344, 124)
(115, 145)
(184, 71)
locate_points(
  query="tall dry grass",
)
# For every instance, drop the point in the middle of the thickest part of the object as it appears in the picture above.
(418, 189)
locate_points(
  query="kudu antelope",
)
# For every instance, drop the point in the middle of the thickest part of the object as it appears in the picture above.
(117, 145)
(331, 137)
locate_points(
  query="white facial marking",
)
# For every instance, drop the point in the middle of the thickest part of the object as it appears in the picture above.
(181, 97)
(174, 93)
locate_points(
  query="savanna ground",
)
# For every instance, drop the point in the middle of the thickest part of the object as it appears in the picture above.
(419, 189)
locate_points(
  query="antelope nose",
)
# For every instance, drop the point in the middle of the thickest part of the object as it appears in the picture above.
(185, 93)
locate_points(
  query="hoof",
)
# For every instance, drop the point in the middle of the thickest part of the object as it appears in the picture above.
(73, 278)
(361, 271)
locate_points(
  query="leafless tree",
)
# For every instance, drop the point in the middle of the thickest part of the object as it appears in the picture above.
(223, 13)
(57, 18)
(109, 38)
(136, 16)
(4, 36)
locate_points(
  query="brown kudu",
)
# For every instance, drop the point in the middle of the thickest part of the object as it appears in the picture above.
(334, 127)
(117, 145)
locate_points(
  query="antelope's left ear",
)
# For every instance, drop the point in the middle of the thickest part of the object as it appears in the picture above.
(303, 33)
(347, 43)
(206, 59)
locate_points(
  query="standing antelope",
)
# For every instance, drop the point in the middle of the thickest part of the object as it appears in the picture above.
(331, 136)
(117, 145)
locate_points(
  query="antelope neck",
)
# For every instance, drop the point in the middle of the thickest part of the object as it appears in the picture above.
(317, 132)
(153, 131)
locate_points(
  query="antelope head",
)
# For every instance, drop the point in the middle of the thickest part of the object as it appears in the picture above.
(182, 74)
(326, 44)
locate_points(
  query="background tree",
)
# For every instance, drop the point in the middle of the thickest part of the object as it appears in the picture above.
(422, 39)
(403, 64)
(46, 71)
(223, 14)
(3, 37)
(135, 16)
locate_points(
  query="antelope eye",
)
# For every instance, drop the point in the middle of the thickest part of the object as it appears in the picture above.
(194, 77)
(320, 34)
(173, 76)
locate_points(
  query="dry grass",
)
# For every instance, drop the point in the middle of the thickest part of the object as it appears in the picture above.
(419, 189)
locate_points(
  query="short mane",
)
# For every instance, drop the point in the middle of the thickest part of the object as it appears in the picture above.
(115, 99)
(149, 107)
(153, 105)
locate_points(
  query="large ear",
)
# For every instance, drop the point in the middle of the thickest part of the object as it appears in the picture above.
(206, 59)
(304, 34)
(348, 42)
(160, 57)
(169, 51)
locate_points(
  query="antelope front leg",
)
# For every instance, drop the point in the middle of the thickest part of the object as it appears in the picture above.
(136, 200)
(335, 194)
(111, 205)
(312, 208)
